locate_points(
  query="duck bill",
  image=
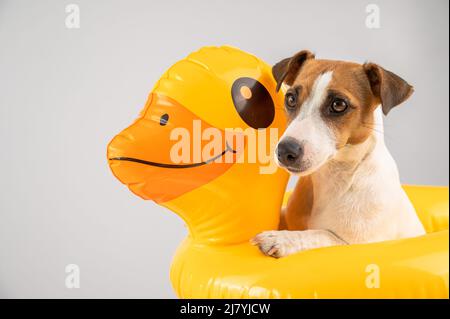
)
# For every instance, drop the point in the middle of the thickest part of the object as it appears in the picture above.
(169, 151)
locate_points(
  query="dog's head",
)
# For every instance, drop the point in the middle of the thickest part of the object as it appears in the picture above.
(330, 104)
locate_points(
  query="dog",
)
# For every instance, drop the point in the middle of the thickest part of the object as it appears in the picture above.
(349, 190)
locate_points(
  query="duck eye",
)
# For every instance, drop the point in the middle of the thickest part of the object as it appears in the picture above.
(290, 100)
(253, 102)
(338, 106)
(164, 119)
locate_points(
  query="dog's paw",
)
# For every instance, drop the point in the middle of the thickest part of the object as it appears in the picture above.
(274, 243)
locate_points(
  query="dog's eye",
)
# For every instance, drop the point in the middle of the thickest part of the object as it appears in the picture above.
(290, 100)
(253, 102)
(338, 106)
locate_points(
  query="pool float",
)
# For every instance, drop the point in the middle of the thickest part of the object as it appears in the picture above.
(225, 203)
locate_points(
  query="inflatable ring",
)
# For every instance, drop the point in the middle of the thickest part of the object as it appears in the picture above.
(225, 203)
(407, 268)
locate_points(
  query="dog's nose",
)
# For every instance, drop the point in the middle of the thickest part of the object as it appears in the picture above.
(289, 151)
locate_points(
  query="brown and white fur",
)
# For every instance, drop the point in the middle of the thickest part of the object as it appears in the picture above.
(349, 190)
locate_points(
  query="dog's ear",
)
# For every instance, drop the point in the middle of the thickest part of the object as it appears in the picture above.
(388, 87)
(287, 69)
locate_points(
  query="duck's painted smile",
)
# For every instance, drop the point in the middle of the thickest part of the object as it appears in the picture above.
(163, 165)
(164, 176)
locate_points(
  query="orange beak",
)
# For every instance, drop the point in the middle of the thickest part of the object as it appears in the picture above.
(142, 155)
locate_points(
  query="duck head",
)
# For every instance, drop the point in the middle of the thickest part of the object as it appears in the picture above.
(202, 146)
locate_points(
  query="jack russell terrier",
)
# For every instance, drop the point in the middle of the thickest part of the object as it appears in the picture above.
(349, 190)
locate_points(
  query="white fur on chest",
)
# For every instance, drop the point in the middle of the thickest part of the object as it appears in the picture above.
(360, 197)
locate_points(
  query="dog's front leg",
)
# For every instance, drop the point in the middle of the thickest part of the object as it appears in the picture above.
(284, 242)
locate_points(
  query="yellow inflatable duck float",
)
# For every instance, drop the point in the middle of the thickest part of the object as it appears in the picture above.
(226, 203)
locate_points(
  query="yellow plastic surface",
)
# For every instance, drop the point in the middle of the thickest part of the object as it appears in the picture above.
(224, 205)
(407, 268)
